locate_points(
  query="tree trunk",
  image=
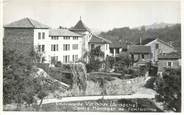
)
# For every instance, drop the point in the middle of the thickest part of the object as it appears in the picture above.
(40, 104)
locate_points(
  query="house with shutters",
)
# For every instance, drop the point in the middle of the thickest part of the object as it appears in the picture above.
(64, 45)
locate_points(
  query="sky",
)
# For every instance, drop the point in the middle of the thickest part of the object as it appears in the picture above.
(99, 15)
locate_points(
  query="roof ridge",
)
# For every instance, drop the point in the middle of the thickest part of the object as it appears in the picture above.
(30, 21)
(166, 43)
(101, 38)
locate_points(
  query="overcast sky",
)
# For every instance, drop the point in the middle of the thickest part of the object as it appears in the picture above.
(97, 15)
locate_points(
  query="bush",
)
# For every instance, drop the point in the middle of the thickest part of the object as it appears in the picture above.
(58, 64)
(150, 83)
(169, 89)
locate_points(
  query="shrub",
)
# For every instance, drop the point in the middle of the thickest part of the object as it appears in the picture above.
(150, 83)
(169, 89)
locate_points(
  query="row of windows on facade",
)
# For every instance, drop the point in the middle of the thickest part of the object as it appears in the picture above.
(41, 35)
(66, 58)
(64, 37)
(54, 47)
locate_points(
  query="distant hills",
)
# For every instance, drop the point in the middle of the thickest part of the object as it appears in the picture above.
(157, 26)
(163, 31)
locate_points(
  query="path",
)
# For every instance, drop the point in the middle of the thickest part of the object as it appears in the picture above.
(86, 98)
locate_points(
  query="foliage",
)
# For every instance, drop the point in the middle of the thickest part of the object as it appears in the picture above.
(79, 77)
(95, 57)
(101, 80)
(19, 83)
(16, 82)
(61, 73)
(150, 83)
(169, 89)
(171, 33)
(37, 56)
(122, 63)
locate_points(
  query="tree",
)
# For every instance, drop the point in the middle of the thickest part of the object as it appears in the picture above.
(96, 57)
(79, 77)
(123, 62)
(16, 71)
(20, 84)
(169, 89)
(37, 56)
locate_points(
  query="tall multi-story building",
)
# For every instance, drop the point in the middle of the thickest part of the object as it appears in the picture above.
(64, 45)
(24, 34)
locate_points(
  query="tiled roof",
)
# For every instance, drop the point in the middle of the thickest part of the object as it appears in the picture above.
(97, 39)
(115, 44)
(26, 23)
(139, 49)
(172, 55)
(80, 26)
(62, 32)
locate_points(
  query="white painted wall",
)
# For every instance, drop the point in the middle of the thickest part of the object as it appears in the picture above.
(60, 53)
(83, 45)
(42, 41)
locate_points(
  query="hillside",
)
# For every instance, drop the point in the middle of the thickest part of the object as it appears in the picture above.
(167, 34)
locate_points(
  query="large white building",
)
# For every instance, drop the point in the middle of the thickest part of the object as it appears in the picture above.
(64, 45)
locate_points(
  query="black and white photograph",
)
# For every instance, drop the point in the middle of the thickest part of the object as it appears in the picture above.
(91, 56)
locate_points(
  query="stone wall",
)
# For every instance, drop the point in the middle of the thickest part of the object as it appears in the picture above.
(20, 40)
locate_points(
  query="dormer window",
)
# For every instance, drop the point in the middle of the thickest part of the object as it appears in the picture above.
(54, 37)
(66, 37)
(75, 38)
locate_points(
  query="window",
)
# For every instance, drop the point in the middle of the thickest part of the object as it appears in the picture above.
(39, 35)
(66, 58)
(43, 35)
(54, 47)
(74, 57)
(157, 46)
(54, 37)
(142, 56)
(41, 48)
(111, 50)
(66, 37)
(169, 64)
(75, 46)
(75, 38)
(66, 47)
(92, 46)
(117, 50)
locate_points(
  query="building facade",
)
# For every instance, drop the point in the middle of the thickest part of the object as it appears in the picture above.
(140, 54)
(158, 47)
(169, 60)
(21, 35)
(53, 45)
